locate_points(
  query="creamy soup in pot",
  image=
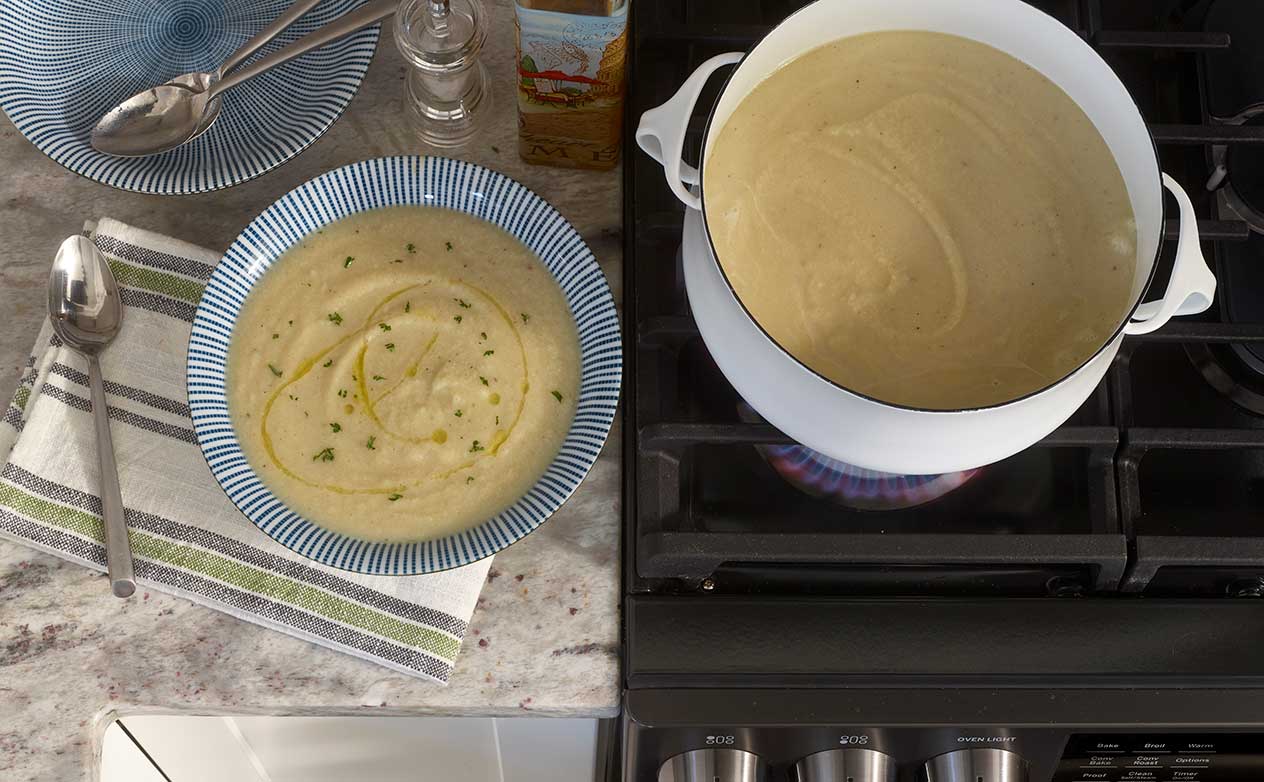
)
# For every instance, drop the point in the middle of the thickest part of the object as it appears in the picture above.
(922, 219)
(403, 374)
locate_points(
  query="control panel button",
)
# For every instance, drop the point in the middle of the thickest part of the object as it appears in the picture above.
(713, 765)
(845, 765)
(981, 764)
(1159, 757)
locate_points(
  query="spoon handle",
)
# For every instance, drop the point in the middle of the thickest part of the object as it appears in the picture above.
(118, 550)
(283, 21)
(367, 14)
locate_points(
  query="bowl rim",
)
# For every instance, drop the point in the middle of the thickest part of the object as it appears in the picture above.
(399, 181)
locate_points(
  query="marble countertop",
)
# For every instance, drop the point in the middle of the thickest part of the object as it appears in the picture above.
(70, 653)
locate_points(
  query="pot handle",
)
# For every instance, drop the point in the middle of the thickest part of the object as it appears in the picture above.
(661, 132)
(1192, 286)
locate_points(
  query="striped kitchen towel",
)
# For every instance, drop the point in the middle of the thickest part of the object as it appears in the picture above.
(187, 537)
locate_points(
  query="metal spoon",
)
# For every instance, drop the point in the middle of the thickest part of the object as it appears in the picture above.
(199, 81)
(86, 312)
(166, 116)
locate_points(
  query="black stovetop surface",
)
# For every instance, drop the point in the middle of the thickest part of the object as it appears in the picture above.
(1155, 486)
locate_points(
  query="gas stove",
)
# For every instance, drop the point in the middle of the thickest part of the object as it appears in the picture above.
(1085, 610)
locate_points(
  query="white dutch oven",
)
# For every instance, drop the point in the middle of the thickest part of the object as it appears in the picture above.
(866, 432)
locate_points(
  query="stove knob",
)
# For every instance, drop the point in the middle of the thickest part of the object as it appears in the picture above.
(713, 765)
(845, 765)
(977, 765)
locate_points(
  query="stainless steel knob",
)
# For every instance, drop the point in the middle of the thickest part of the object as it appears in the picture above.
(981, 764)
(713, 765)
(845, 765)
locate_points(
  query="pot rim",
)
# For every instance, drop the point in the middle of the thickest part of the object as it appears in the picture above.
(715, 255)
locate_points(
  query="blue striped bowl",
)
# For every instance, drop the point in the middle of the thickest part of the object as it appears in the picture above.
(393, 181)
(63, 65)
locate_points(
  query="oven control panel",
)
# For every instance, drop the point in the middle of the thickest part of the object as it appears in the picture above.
(940, 735)
(1162, 757)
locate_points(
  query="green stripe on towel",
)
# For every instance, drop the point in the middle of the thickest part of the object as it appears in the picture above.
(245, 577)
(156, 281)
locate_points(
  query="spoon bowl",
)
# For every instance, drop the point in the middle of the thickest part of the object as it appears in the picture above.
(83, 297)
(158, 119)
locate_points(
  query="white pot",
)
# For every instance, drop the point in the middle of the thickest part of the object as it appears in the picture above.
(862, 431)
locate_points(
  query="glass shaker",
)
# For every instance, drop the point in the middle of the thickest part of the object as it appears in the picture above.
(448, 93)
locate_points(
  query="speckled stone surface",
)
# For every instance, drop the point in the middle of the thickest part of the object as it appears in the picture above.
(545, 635)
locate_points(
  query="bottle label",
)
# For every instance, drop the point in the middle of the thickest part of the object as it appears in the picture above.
(570, 85)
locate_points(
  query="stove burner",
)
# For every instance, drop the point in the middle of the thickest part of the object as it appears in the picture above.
(1236, 370)
(1245, 165)
(1233, 370)
(1235, 76)
(817, 475)
(1238, 172)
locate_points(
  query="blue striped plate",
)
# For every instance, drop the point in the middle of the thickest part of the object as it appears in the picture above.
(394, 181)
(63, 65)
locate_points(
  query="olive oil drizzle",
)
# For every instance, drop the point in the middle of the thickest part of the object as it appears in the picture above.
(369, 403)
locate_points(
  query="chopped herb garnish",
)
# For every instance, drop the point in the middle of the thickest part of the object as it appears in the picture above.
(398, 260)
(327, 455)
(412, 248)
(488, 352)
(390, 346)
(369, 443)
(336, 318)
(457, 318)
(347, 263)
(498, 420)
(378, 377)
(458, 413)
(328, 363)
(384, 326)
(337, 427)
(408, 306)
(448, 245)
(292, 397)
(275, 371)
(465, 305)
(353, 377)
(275, 335)
(557, 395)
(495, 149)
(394, 497)
(482, 380)
(342, 392)
(291, 323)
(525, 317)
(469, 479)
(475, 447)
(482, 335)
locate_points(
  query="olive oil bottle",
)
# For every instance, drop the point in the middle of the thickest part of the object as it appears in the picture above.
(572, 57)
